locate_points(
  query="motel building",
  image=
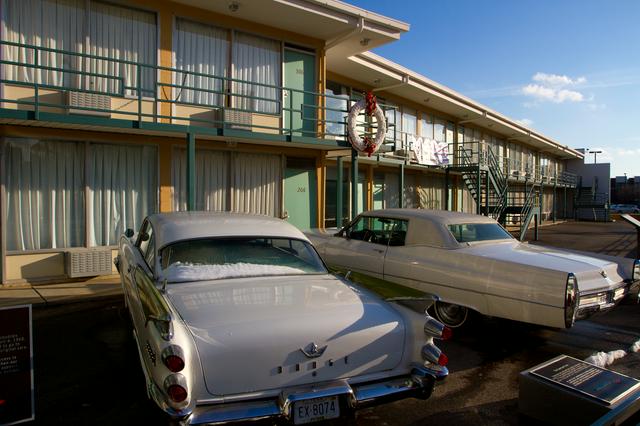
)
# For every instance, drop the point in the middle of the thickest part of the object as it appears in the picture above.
(113, 110)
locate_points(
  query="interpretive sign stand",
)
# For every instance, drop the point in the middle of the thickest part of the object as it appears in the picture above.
(16, 365)
(566, 390)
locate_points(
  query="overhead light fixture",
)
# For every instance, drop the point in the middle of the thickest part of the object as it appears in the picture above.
(234, 6)
(365, 41)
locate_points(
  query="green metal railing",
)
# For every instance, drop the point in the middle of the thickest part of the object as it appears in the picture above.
(159, 92)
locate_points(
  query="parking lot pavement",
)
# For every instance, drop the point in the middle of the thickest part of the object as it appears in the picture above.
(611, 238)
(87, 369)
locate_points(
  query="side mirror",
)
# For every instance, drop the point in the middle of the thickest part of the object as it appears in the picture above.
(129, 233)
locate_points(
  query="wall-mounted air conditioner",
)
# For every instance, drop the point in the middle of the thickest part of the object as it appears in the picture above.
(96, 104)
(88, 262)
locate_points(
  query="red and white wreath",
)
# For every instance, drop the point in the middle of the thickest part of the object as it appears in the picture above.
(371, 108)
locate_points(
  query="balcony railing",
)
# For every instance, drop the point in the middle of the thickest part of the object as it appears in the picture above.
(51, 84)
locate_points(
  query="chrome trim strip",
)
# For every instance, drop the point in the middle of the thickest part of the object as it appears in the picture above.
(419, 384)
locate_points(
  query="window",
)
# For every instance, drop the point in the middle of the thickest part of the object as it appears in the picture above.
(202, 52)
(256, 60)
(122, 182)
(223, 258)
(439, 132)
(409, 127)
(242, 182)
(426, 126)
(46, 183)
(337, 109)
(146, 244)
(79, 26)
(379, 230)
(472, 232)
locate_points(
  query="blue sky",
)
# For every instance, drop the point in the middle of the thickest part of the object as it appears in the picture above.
(569, 69)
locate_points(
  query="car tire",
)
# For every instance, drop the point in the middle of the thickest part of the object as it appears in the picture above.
(451, 315)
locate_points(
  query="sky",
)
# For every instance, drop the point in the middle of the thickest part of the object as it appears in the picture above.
(568, 69)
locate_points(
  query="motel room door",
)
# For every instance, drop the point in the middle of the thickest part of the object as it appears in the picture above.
(300, 193)
(298, 105)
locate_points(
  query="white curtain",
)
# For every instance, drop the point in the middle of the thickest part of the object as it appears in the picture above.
(122, 184)
(391, 190)
(44, 183)
(410, 191)
(256, 184)
(431, 192)
(201, 49)
(125, 34)
(212, 180)
(257, 60)
(54, 24)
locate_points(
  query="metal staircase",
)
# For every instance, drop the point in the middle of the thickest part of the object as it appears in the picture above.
(485, 178)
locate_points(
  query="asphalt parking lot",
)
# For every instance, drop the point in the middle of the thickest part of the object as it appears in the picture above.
(87, 369)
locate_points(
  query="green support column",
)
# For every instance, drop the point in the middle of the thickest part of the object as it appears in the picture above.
(446, 189)
(564, 210)
(555, 205)
(401, 187)
(541, 200)
(486, 196)
(191, 171)
(339, 193)
(354, 183)
(479, 189)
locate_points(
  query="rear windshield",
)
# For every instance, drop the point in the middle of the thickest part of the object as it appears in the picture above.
(470, 232)
(220, 258)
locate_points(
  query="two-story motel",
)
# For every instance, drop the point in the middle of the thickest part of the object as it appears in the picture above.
(113, 110)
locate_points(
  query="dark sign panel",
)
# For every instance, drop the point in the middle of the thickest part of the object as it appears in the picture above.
(599, 383)
(16, 367)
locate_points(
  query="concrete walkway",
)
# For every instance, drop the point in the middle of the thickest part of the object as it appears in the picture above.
(72, 291)
(613, 238)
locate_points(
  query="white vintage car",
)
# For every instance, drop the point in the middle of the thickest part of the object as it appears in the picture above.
(237, 318)
(472, 263)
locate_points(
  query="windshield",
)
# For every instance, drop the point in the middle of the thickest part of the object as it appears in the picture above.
(470, 232)
(220, 258)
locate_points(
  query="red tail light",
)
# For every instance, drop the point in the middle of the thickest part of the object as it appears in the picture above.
(443, 360)
(447, 333)
(174, 363)
(173, 358)
(177, 393)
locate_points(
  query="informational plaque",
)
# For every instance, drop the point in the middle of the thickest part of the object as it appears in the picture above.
(599, 383)
(16, 366)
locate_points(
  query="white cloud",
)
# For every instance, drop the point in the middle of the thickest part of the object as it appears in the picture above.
(553, 88)
(525, 122)
(557, 80)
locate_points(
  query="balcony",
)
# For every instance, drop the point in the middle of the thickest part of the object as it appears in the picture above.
(68, 92)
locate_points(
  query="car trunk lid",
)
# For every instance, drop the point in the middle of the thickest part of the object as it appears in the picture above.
(592, 273)
(251, 332)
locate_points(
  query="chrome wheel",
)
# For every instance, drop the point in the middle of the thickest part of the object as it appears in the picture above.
(451, 315)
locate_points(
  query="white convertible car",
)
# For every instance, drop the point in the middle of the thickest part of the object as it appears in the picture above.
(472, 263)
(237, 318)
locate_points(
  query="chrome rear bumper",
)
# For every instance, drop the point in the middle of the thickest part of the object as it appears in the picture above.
(603, 301)
(419, 384)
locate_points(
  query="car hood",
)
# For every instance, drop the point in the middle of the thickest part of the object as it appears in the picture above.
(249, 332)
(592, 273)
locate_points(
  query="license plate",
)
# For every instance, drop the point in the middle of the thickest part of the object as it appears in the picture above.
(313, 410)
